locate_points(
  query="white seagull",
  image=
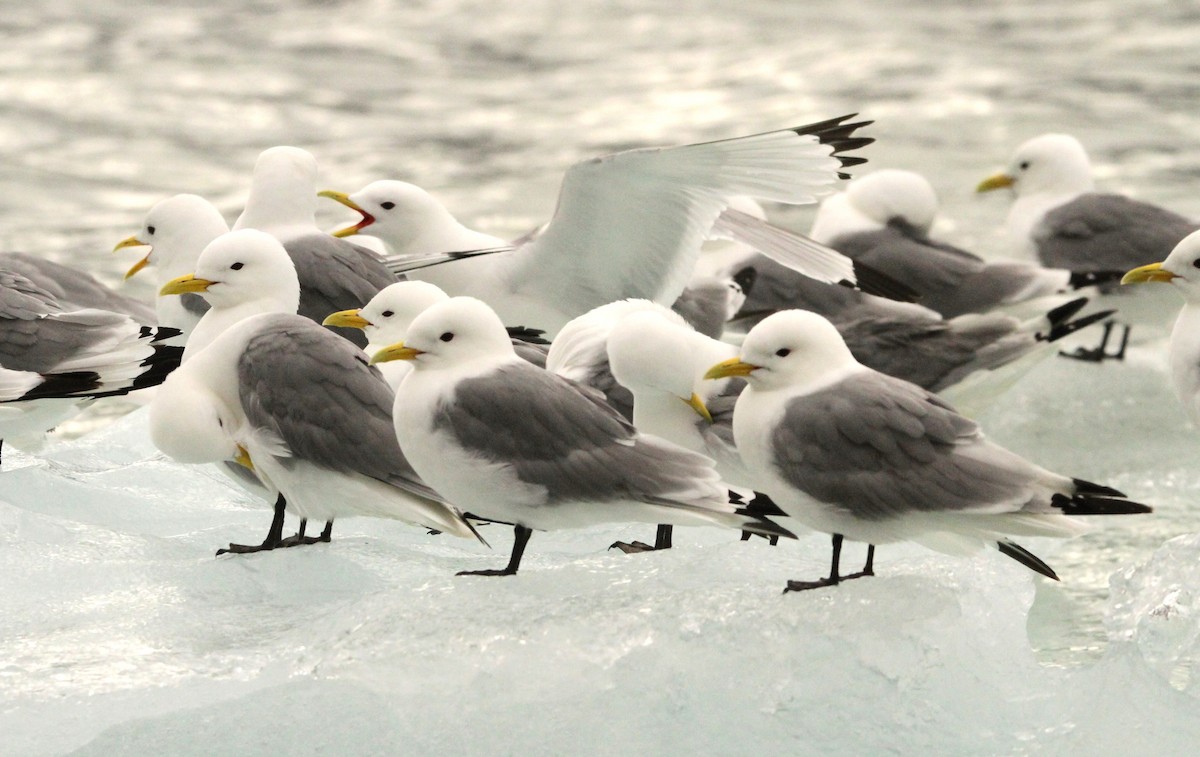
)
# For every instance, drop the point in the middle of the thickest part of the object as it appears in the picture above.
(313, 419)
(628, 224)
(864, 456)
(510, 442)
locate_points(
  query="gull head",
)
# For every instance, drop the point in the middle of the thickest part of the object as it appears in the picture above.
(282, 192)
(189, 423)
(176, 230)
(1181, 268)
(394, 211)
(790, 349)
(890, 194)
(387, 317)
(454, 333)
(1051, 163)
(650, 353)
(240, 267)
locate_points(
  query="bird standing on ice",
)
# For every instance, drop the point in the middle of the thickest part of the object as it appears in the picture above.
(510, 442)
(861, 455)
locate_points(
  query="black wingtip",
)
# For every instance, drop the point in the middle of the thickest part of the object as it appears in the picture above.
(872, 281)
(1088, 504)
(762, 525)
(1081, 279)
(1058, 331)
(67, 384)
(527, 335)
(839, 135)
(1065, 311)
(1089, 487)
(1026, 558)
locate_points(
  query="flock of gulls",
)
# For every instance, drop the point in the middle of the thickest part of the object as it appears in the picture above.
(656, 353)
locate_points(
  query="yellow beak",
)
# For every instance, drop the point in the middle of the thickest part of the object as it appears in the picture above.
(395, 351)
(697, 404)
(1152, 272)
(129, 242)
(995, 181)
(731, 367)
(185, 284)
(145, 261)
(243, 458)
(343, 198)
(347, 318)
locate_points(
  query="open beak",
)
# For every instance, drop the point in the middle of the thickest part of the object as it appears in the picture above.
(129, 242)
(242, 458)
(348, 319)
(697, 404)
(995, 181)
(343, 198)
(1152, 272)
(395, 351)
(184, 285)
(731, 367)
(145, 261)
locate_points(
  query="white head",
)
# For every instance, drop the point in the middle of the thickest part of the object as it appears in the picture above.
(790, 349)
(176, 229)
(1181, 269)
(892, 193)
(242, 267)
(581, 342)
(188, 422)
(387, 317)
(648, 352)
(395, 211)
(457, 332)
(1051, 163)
(283, 193)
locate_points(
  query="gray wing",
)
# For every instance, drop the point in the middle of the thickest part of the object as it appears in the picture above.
(777, 287)
(880, 448)
(933, 355)
(73, 288)
(564, 437)
(1097, 232)
(336, 275)
(704, 307)
(31, 337)
(316, 392)
(194, 304)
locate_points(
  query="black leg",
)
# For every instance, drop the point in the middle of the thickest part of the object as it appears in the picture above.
(299, 539)
(662, 540)
(327, 532)
(303, 526)
(521, 538)
(1100, 353)
(868, 567)
(274, 535)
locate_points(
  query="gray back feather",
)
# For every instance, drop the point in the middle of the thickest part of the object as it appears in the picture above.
(31, 338)
(316, 392)
(73, 288)
(879, 447)
(336, 275)
(1097, 232)
(559, 435)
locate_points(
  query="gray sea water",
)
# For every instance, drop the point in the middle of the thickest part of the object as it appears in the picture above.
(107, 107)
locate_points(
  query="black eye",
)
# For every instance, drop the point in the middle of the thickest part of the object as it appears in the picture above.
(387, 205)
(150, 229)
(1024, 164)
(1196, 263)
(446, 337)
(237, 266)
(387, 314)
(783, 352)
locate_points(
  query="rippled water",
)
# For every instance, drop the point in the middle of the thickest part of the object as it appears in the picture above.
(107, 107)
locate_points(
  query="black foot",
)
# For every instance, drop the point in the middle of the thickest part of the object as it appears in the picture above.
(806, 585)
(631, 548)
(772, 539)
(492, 572)
(246, 549)
(300, 540)
(1100, 353)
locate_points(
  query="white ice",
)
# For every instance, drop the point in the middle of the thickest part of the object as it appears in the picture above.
(121, 633)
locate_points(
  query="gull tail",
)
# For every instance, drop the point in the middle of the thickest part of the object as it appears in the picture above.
(1096, 499)
(1026, 558)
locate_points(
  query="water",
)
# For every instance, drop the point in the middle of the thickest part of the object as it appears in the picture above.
(106, 108)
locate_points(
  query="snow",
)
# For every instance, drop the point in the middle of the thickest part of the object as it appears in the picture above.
(122, 633)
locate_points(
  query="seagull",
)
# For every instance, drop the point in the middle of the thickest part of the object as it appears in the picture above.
(509, 442)
(861, 455)
(74, 288)
(884, 219)
(971, 359)
(386, 318)
(1181, 269)
(628, 224)
(334, 274)
(1059, 219)
(176, 229)
(55, 355)
(300, 400)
